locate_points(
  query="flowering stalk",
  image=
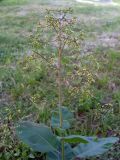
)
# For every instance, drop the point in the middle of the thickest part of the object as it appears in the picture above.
(60, 76)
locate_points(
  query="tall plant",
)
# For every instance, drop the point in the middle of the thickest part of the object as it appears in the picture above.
(40, 137)
(55, 39)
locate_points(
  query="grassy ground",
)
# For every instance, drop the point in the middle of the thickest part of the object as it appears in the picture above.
(18, 19)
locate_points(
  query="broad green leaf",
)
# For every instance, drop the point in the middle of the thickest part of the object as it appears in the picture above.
(37, 136)
(69, 154)
(52, 156)
(94, 147)
(74, 139)
(55, 123)
(66, 115)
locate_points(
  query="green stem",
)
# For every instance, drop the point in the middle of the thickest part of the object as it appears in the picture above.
(59, 89)
(60, 76)
(63, 152)
(60, 85)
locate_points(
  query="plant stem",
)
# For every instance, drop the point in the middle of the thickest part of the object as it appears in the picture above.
(63, 149)
(60, 76)
(60, 84)
(59, 88)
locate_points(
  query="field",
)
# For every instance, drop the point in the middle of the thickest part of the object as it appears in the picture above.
(23, 80)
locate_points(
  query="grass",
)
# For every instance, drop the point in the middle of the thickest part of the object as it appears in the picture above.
(21, 80)
(12, 2)
(18, 19)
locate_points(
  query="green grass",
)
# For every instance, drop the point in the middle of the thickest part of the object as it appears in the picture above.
(12, 2)
(18, 19)
(23, 80)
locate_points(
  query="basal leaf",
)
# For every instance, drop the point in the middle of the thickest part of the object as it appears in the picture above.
(37, 136)
(75, 139)
(94, 147)
(55, 123)
(66, 115)
(69, 154)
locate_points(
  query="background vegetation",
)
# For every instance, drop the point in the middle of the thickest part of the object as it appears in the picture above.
(23, 78)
